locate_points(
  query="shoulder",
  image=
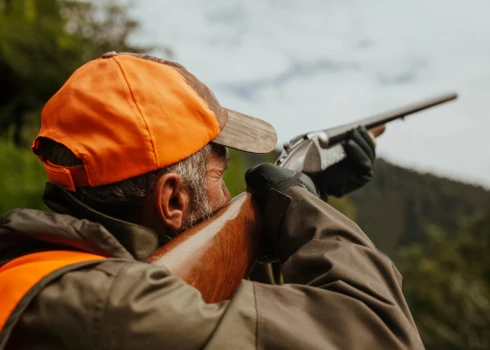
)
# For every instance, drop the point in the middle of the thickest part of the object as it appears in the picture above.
(123, 304)
(72, 306)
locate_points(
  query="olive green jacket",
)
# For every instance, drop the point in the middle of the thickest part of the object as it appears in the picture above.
(339, 291)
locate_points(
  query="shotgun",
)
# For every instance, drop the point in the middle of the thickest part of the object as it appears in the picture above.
(216, 254)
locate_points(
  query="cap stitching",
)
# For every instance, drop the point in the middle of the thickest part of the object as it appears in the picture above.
(197, 94)
(140, 108)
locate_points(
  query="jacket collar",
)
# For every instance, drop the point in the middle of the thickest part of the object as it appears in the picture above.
(138, 240)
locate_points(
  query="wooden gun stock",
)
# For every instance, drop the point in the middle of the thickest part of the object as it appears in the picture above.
(216, 254)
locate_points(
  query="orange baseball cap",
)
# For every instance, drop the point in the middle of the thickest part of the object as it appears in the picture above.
(128, 114)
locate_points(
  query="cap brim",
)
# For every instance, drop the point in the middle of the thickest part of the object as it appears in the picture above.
(247, 133)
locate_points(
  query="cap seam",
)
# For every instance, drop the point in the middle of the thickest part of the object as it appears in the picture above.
(140, 108)
(198, 96)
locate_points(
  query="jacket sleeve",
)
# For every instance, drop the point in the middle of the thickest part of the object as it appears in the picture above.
(339, 292)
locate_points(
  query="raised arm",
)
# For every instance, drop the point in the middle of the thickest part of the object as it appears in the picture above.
(339, 292)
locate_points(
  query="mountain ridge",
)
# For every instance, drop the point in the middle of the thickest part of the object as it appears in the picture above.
(407, 202)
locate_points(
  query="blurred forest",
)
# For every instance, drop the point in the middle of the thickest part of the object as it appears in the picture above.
(436, 230)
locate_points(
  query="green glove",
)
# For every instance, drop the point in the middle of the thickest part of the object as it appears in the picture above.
(264, 177)
(351, 173)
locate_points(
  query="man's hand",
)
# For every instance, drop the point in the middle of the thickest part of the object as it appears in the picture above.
(354, 171)
(265, 177)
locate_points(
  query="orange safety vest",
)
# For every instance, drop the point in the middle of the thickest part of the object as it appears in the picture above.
(18, 276)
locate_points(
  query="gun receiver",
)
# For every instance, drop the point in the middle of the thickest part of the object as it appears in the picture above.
(315, 151)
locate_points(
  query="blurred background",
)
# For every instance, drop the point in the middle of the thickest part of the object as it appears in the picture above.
(305, 65)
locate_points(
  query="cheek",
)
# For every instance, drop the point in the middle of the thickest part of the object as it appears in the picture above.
(218, 193)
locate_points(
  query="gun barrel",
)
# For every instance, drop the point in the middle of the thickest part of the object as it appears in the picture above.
(339, 133)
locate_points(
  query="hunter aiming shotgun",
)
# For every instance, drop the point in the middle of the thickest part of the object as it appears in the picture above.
(216, 254)
(134, 148)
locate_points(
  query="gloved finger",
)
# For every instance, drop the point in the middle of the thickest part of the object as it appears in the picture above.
(257, 180)
(376, 132)
(361, 137)
(368, 141)
(357, 155)
(270, 172)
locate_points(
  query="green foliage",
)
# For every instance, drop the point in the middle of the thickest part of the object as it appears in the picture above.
(235, 175)
(22, 179)
(447, 285)
(238, 164)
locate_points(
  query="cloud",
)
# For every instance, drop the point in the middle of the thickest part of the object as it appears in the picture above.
(251, 88)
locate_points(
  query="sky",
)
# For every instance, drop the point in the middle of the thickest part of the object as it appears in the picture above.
(304, 65)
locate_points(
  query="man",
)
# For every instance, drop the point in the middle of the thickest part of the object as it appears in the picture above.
(135, 149)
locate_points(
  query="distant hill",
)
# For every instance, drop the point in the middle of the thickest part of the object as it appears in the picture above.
(398, 205)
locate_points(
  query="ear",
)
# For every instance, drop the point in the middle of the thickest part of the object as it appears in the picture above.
(172, 200)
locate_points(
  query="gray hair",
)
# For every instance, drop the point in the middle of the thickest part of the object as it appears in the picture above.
(192, 170)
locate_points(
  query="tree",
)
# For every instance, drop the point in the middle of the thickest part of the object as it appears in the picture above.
(447, 285)
(22, 179)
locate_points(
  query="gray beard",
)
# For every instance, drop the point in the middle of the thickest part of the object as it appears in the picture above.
(200, 210)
